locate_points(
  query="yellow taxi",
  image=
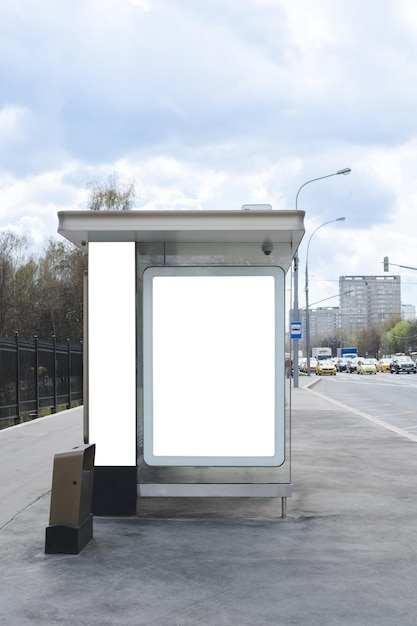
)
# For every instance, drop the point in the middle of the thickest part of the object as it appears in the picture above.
(366, 366)
(325, 366)
(383, 365)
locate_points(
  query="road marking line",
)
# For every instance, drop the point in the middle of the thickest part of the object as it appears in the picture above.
(400, 413)
(375, 420)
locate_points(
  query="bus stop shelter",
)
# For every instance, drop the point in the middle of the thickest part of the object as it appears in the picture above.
(186, 334)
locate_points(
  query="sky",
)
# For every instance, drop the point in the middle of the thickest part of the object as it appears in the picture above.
(211, 104)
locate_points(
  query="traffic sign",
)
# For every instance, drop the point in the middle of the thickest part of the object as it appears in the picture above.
(296, 330)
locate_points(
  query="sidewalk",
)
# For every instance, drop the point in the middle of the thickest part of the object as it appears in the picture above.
(345, 555)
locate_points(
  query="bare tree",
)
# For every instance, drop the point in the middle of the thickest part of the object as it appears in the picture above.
(111, 195)
(13, 254)
(60, 291)
(41, 295)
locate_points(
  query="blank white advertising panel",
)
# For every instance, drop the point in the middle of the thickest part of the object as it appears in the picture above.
(112, 352)
(213, 366)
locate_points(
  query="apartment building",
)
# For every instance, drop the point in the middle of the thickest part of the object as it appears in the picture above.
(408, 312)
(366, 301)
(323, 321)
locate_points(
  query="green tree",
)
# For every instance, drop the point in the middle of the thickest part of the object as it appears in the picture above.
(401, 337)
(111, 195)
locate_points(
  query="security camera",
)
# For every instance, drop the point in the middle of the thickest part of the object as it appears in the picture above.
(267, 248)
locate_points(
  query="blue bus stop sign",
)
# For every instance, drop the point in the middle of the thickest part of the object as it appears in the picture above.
(296, 330)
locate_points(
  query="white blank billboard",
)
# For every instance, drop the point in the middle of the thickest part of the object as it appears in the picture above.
(214, 366)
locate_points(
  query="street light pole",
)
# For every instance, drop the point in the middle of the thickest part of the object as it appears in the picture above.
(344, 171)
(339, 219)
(295, 319)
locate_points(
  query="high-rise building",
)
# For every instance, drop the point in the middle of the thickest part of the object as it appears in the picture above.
(367, 301)
(323, 321)
(408, 312)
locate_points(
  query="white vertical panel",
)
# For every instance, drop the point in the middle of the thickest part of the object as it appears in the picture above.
(112, 352)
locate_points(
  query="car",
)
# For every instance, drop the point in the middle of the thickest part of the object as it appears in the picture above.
(313, 364)
(341, 365)
(325, 366)
(383, 365)
(402, 364)
(352, 366)
(366, 366)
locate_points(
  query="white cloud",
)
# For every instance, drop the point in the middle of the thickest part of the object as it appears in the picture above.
(215, 104)
(29, 206)
(10, 121)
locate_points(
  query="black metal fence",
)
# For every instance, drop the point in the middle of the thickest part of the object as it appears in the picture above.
(36, 375)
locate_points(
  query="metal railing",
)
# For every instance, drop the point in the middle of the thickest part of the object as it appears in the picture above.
(36, 375)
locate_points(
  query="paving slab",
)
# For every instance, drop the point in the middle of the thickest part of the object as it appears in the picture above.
(345, 554)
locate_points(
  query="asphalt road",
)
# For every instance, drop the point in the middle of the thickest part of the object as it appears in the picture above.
(387, 399)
